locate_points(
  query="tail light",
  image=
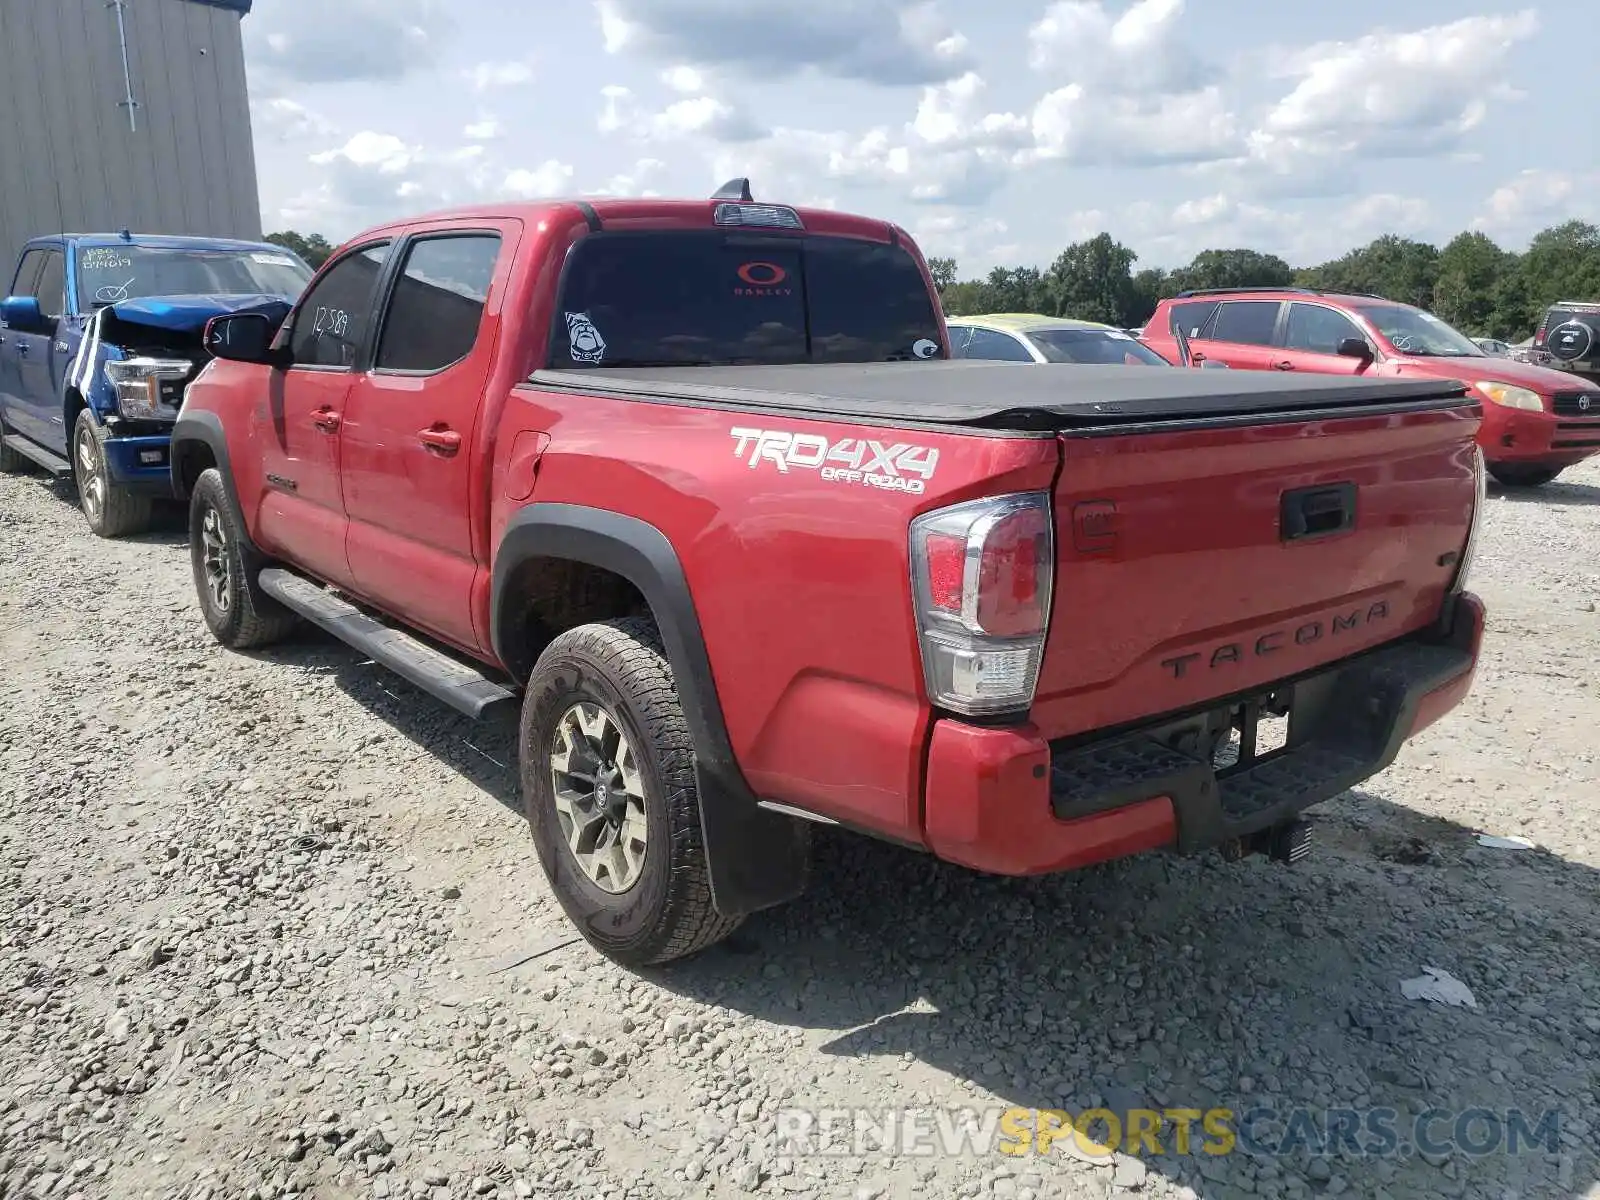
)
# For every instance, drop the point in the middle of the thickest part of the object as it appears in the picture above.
(981, 581)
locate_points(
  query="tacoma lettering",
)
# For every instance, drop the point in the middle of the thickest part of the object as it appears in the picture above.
(1233, 653)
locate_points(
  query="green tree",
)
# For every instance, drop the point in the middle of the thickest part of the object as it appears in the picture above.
(1394, 267)
(1233, 269)
(1465, 292)
(1563, 263)
(943, 271)
(1148, 289)
(1092, 281)
(1471, 282)
(314, 248)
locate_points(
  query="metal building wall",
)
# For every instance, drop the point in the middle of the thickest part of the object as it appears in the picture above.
(68, 159)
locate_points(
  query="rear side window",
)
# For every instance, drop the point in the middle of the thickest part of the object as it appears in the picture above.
(710, 297)
(1192, 316)
(1246, 322)
(1318, 330)
(986, 343)
(437, 303)
(332, 321)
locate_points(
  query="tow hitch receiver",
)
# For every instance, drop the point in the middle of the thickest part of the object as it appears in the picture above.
(1285, 843)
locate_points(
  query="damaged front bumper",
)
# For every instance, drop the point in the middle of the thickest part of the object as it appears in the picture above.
(1010, 802)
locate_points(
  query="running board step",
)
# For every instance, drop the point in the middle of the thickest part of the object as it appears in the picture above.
(464, 688)
(53, 463)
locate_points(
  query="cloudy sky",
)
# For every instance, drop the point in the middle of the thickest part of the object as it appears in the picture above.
(997, 131)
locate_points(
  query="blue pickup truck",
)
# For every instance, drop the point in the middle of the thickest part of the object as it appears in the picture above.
(99, 336)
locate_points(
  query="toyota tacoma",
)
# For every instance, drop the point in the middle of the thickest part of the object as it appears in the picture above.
(698, 482)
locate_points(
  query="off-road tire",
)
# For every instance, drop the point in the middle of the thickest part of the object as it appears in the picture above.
(1518, 475)
(250, 617)
(117, 512)
(12, 463)
(620, 667)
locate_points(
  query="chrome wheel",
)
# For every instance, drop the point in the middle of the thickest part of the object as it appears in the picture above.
(599, 797)
(91, 483)
(214, 558)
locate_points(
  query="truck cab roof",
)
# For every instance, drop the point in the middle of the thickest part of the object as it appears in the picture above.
(154, 241)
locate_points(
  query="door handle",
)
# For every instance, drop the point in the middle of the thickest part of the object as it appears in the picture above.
(1285, 365)
(443, 442)
(1315, 512)
(326, 420)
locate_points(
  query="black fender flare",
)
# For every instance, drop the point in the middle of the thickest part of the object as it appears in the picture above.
(756, 858)
(203, 428)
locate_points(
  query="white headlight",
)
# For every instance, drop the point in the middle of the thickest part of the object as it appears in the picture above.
(1509, 396)
(138, 383)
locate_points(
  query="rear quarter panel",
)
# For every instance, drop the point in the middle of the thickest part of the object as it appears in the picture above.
(802, 584)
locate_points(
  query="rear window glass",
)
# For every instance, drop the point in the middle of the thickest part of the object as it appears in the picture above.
(1094, 346)
(710, 297)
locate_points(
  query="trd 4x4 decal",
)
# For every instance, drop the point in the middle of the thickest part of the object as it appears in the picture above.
(896, 467)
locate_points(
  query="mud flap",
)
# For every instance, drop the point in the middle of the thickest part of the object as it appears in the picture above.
(755, 858)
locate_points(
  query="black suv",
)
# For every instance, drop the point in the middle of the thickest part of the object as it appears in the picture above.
(1569, 338)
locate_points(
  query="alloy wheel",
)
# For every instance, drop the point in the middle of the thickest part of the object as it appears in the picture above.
(91, 484)
(599, 797)
(214, 556)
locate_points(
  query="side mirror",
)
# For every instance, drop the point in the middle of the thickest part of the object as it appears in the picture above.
(1354, 347)
(242, 337)
(23, 314)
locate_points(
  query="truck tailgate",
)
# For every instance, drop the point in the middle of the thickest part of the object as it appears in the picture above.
(1201, 562)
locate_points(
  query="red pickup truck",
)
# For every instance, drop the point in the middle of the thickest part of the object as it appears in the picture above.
(698, 481)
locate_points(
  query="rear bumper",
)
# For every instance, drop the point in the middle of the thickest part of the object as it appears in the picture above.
(1007, 801)
(1512, 435)
(141, 464)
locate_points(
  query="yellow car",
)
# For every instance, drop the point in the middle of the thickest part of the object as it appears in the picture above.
(1025, 337)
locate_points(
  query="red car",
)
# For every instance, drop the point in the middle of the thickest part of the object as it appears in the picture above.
(1536, 421)
(697, 480)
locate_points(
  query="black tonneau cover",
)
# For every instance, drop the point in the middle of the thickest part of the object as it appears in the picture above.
(1005, 394)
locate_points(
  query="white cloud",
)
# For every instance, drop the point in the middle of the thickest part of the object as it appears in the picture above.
(486, 129)
(878, 41)
(549, 178)
(491, 75)
(1171, 236)
(1394, 92)
(633, 182)
(1075, 124)
(338, 41)
(708, 117)
(618, 110)
(1139, 51)
(684, 79)
(1537, 198)
(700, 116)
(278, 118)
(382, 152)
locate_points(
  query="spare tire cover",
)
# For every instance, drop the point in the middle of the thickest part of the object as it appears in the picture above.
(1570, 340)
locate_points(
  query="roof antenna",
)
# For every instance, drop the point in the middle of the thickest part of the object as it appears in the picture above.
(734, 189)
(127, 235)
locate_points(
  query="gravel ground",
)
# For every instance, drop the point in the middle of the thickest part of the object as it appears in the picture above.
(272, 925)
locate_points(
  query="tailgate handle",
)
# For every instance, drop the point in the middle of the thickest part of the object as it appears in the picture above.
(1318, 511)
